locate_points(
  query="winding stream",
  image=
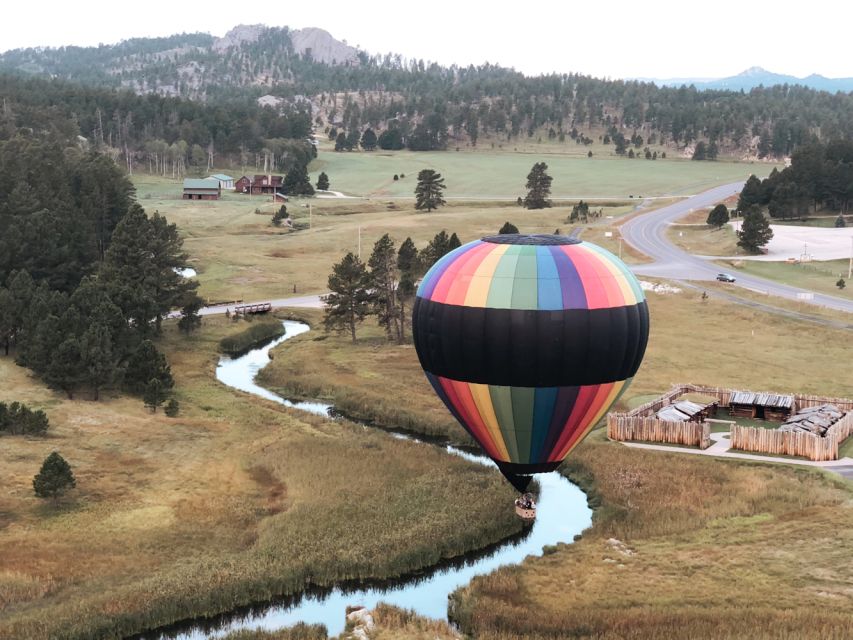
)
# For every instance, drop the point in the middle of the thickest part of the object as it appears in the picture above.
(561, 514)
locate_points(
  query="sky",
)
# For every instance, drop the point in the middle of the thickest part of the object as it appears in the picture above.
(611, 39)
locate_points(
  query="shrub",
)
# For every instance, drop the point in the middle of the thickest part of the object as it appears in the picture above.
(172, 408)
(18, 419)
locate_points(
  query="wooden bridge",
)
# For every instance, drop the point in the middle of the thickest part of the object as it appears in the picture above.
(252, 309)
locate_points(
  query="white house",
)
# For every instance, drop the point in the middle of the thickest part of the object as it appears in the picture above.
(225, 182)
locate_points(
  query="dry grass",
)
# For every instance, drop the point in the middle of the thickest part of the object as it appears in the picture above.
(237, 500)
(240, 256)
(708, 549)
(393, 623)
(373, 380)
(704, 240)
(715, 546)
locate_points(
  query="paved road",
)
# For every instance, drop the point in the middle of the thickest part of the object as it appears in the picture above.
(720, 449)
(305, 302)
(647, 233)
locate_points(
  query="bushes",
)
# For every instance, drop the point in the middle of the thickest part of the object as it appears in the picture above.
(251, 337)
(18, 419)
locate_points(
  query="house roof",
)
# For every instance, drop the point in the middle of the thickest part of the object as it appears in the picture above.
(204, 183)
(220, 176)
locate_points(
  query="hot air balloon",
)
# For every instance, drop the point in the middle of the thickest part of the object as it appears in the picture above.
(528, 340)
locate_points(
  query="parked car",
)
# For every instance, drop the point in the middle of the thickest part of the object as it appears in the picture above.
(725, 277)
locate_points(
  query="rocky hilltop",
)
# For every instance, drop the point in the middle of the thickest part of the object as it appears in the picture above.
(189, 65)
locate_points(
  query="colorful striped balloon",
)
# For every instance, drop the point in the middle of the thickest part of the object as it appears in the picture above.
(528, 340)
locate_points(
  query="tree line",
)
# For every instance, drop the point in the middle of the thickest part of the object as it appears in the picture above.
(86, 276)
(820, 177)
(387, 92)
(169, 136)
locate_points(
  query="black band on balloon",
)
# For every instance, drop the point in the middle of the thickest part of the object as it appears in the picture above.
(534, 239)
(530, 348)
(527, 469)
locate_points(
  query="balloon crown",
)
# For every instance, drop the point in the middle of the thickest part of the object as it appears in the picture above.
(535, 239)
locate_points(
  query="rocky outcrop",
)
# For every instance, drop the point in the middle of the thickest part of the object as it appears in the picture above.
(322, 46)
(238, 35)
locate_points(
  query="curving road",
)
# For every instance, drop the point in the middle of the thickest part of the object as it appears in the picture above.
(647, 233)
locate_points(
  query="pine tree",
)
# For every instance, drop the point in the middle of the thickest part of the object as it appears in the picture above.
(750, 194)
(439, 246)
(54, 478)
(172, 408)
(429, 190)
(700, 152)
(368, 140)
(155, 394)
(66, 369)
(280, 215)
(840, 222)
(383, 286)
(538, 187)
(323, 181)
(144, 364)
(755, 231)
(100, 368)
(190, 319)
(341, 141)
(297, 182)
(507, 228)
(718, 216)
(408, 263)
(349, 301)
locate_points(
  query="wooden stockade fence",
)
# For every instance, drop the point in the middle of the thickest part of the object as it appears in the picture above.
(650, 429)
(786, 443)
(641, 424)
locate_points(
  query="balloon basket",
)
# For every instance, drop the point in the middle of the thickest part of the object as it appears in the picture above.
(525, 508)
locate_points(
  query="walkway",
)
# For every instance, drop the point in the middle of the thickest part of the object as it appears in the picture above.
(720, 449)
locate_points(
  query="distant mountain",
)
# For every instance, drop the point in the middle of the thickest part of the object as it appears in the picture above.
(756, 77)
(190, 65)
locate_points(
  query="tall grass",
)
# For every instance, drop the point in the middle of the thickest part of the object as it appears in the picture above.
(236, 502)
(298, 631)
(256, 334)
(706, 549)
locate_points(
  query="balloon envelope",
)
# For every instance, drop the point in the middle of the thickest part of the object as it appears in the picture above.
(528, 341)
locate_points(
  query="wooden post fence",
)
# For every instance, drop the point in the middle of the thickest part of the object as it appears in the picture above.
(641, 424)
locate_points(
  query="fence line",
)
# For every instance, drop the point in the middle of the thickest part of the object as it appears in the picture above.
(693, 434)
(786, 443)
(641, 424)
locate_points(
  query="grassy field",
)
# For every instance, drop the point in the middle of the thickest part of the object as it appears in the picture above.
(682, 548)
(827, 222)
(371, 380)
(816, 276)
(234, 501)
(239, 254)
(500, 174)
(722, 542)
(704, 240)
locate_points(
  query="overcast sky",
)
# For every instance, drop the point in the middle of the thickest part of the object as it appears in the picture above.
(616, 39)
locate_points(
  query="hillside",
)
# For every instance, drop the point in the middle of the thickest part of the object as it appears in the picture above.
(428, 106)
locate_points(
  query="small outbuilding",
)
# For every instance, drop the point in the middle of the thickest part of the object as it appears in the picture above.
(761, 406)
(203, 189)
(225, 181)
